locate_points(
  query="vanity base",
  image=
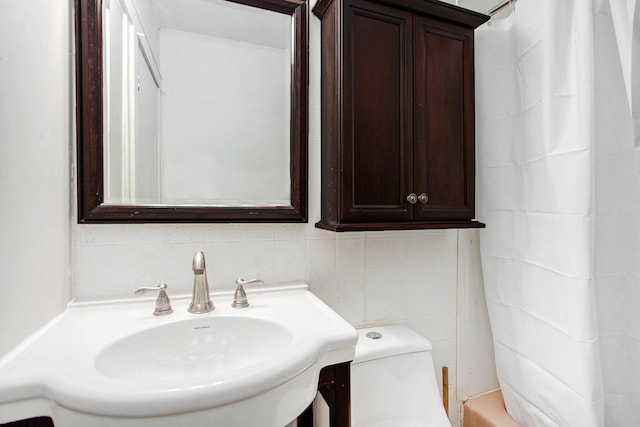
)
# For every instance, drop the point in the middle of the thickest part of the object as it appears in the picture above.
(31, 422)
(335, 387)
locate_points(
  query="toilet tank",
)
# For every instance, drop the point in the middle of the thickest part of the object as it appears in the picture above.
(393, 381)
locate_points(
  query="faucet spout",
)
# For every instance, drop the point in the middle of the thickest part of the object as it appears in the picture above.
(200, 300)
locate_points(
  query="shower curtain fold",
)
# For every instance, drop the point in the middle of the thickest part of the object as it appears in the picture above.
(625, 16)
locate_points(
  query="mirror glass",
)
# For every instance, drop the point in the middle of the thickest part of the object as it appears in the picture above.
(191, 110)
(196, 103)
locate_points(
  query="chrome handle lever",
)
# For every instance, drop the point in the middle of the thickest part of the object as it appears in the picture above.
(248, 282)
(163, 304)
(144, 289)
(240, 297)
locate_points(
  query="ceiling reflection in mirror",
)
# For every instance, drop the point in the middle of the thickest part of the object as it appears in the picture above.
(196, 103)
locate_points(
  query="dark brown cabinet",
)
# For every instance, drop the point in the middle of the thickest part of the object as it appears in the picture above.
(397, 115)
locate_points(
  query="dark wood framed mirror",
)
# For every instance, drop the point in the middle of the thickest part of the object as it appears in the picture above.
(102, 195)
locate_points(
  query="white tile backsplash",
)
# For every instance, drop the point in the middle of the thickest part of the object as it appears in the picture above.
(396, 275)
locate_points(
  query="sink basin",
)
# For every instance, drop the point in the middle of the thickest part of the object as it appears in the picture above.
(195, 348)
(115, 363)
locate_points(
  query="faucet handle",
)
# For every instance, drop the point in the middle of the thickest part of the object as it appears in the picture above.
(163, 304)
(248, 282)
(240, 297)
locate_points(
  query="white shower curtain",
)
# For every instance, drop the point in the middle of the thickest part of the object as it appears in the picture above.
(625, 15)
(558, 190)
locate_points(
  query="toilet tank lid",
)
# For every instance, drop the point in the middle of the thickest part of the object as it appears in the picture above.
(393, 340)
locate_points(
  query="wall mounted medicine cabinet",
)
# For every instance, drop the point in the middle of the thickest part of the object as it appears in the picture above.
(191, 111)
(398, 149)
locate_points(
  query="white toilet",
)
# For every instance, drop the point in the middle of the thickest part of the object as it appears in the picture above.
(393, 383)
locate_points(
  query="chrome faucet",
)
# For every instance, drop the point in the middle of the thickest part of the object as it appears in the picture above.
(200, 301)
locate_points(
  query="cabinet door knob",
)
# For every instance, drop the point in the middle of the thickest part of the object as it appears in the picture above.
(423, 198)
(412, 198)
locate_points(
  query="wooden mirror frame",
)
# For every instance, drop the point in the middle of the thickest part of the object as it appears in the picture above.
(89, 129)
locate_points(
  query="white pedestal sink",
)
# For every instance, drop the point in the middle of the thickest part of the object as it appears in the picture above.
(115, 363)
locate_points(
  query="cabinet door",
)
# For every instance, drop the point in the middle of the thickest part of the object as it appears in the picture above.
(444, 120)
(377, 108)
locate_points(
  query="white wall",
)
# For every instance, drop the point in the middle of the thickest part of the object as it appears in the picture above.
(34, 165)
(476, 367)
(411, 277)
(226, 101)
